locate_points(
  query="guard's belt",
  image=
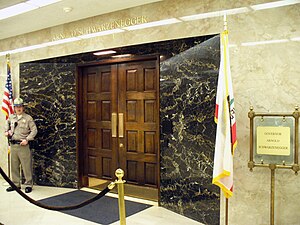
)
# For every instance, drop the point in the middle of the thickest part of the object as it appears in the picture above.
(15, 142)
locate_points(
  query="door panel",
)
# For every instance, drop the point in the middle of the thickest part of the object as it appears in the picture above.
(98, 103)
(138, 101)
(126, 94)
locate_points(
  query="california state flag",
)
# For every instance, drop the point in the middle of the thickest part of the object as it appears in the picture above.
(226, 126)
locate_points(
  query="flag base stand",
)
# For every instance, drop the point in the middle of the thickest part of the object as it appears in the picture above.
(276, 129)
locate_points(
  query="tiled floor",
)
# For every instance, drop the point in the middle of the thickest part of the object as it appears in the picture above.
(15, 210)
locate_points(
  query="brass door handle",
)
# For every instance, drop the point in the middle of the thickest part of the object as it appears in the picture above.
(121, 125)
(121, 145)
(114, 124)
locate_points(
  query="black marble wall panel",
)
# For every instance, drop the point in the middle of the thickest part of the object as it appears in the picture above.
(49, 90)
(187, 101)
(188, 80)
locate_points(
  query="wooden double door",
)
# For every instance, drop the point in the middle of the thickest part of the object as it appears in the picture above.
(120, 121)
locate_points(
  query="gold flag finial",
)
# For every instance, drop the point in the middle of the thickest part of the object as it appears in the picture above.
(225, 23)
(8, 57)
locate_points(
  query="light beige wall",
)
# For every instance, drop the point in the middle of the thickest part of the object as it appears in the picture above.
(264, 76)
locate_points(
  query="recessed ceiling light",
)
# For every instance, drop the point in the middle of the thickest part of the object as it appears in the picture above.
(120, 56)
(105, 52)
(215, 14)
(67, 9)
(276, 4)
(295, 39)
(101, 33)
(24, 7)
(153, 24)
(264, 42)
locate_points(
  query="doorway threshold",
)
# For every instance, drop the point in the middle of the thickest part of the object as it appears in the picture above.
(146, 193)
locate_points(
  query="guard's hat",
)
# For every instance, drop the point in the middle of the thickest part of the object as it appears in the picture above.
(18, 102)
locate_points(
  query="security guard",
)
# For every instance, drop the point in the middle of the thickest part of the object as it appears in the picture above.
(20, 129)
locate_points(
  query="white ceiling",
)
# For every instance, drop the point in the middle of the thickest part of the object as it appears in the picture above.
(54, 14)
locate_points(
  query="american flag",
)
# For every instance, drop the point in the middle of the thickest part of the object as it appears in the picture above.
(7, 102)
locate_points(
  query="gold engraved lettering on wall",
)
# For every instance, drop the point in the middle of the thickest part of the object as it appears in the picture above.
(273, 141)
(102, 27)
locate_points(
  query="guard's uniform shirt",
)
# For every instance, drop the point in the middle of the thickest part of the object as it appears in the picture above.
(22, 128)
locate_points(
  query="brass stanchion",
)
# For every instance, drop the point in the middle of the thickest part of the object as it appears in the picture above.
(122, 212)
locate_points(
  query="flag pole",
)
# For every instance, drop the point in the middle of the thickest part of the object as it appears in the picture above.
(227, 201)
(226, 213)
(7, 56)
(226, 131)
(8, 152)
(228, 100)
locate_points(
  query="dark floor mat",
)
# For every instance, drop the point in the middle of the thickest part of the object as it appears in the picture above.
(103, 211)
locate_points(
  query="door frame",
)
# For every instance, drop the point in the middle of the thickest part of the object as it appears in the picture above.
(82, 180)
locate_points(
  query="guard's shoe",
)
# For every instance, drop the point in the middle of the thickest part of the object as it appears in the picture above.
(9, 189)
(28, 189)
